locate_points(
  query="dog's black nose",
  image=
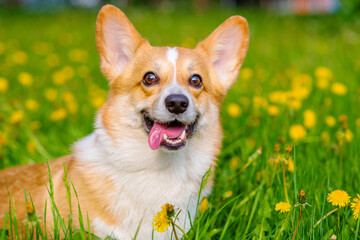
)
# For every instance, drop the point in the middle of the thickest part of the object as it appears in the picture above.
(176, 103)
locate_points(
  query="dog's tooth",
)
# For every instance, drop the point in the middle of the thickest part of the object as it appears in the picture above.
(165, 136)
(182, 137)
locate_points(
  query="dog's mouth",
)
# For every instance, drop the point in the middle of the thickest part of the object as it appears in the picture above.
(170, 135)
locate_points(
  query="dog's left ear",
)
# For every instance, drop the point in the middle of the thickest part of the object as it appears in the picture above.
(226, 47)
(117, 41)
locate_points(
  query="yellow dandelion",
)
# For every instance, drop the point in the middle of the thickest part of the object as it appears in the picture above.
(32, 105)
(59, 78)
(19, 57)
(330, 121)
(98, 101)
(78, 55)
(51, 94)
(58, 114)
(31, 147)
(227, 194)
(297, 132)
(273, 110)
(349, 136)
(325, 137)
(204, 205)
(278, 97)
(246, 73)
(3, 140)
(290, 165)
(346, 135)
(357, 122)
(17, 116)
(355, 206)
(161, 221)
(25, 79)
(68, 71)
(294, 104)
(72, 107)
(338, 88)
(260, 102)
(234, 163)
(309, 118)
(3, 84)
(323, 72)
(282, 207)
(338, 198)
(234, 110)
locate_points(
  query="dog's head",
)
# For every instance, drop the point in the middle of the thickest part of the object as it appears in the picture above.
(169, 94)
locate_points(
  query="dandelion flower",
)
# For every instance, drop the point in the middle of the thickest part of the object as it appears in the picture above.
(309, 118)
(3, 84)
(338, 89)
(338, 198)
(297, 132)
(282, 207)
(32, 105)
(273, 110)
(234, 110)
(162, 220)
(17, 116)
(58, 114)
(51, 94)
(330, 121)
(323, 72)
(355, 206)
(19, 57)
(246, 73)
(204, 205)
(25, 79)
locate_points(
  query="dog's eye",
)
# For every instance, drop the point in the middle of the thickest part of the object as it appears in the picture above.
(150, 78)
(195, 81)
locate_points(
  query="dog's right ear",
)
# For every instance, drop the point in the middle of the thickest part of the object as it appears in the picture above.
(117, 41)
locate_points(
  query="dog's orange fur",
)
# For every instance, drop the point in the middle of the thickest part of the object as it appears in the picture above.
(94, 187)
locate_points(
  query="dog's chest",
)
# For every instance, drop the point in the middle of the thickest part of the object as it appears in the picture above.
(139, 199)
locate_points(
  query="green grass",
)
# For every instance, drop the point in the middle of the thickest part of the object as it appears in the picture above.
(282, 47)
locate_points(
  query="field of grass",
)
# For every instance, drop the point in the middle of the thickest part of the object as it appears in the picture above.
(299, 86)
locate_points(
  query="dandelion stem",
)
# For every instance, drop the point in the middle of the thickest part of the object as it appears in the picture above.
(329, 213)
(187, 237)
(297, 227)
(173, 226)
(284, 179)
(357, 229)
(339, 219)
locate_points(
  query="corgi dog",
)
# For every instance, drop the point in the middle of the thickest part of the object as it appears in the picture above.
(155, 137)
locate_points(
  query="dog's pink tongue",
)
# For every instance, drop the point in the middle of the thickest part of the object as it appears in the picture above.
(157, 132)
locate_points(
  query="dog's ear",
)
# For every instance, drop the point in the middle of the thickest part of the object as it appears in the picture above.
(226, 48)
(117, 41)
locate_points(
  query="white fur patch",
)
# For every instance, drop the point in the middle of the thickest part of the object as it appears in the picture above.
(172, 56)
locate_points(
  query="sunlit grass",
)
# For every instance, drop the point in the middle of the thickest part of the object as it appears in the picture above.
(299, 86)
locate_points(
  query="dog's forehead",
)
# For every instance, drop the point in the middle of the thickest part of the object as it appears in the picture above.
(174, 58)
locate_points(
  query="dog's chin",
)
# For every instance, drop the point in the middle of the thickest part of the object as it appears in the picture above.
(171, 143)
